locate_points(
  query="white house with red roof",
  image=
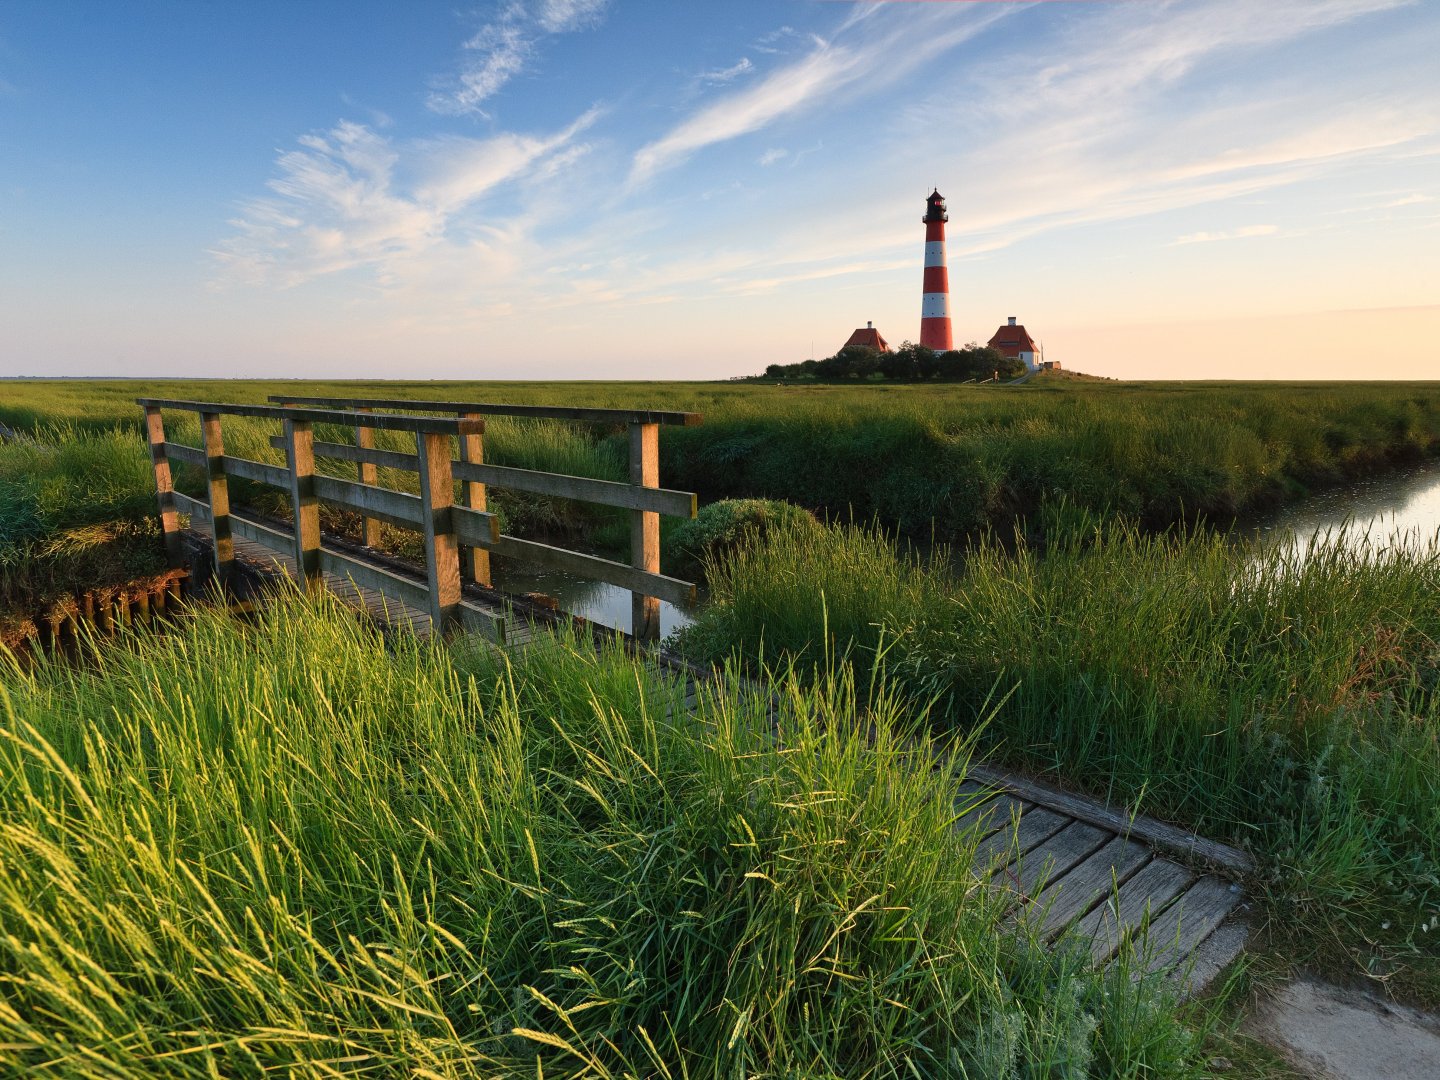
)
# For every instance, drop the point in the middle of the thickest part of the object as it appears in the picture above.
(1013, 341)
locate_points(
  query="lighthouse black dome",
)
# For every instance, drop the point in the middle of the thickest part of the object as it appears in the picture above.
(935, 207)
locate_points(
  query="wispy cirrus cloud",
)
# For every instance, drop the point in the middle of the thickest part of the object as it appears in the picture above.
(351, 197)
(830, 66)
(1243, 233)
(724, 75)
(503, 48)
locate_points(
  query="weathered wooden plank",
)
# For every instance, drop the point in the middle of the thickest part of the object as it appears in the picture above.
(988, 812)
(1146, 893)
(999, 849)
(1212, 956)
(258, 471)
(369, 475)
(304, 505)
(396, 507)
(410, 594)
(472, 452)
(191, 455)
(389, 459)
(164, 487)
(1157, 833)
(1050, 861)
(437, 425)
(442, 548)
(194, 507)
(538, 412)
(645, 530)
(584, 489)
(219, 497)
(1077, 892)
(1187, 922)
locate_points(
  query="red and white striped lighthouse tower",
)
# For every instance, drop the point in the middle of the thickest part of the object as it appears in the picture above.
(935, 306)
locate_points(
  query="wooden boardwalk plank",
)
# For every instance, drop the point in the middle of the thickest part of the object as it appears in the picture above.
(994, 811)
(1078, 891)
(1155, 833)
(1008, 843)
(1053, 859)
(1187, 922)
(1146, 893)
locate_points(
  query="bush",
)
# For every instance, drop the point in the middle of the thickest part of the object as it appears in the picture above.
(722, 526)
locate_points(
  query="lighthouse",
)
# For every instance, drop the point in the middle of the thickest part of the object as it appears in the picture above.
(935, 305)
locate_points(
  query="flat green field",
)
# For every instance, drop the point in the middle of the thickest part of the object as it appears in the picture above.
(282, 844)
(954, 458)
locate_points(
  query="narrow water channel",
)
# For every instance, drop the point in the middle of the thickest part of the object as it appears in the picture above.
(1378, 514)
(597, 601)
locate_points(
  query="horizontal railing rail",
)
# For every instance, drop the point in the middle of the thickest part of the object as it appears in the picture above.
(445, 523)
(490, 408)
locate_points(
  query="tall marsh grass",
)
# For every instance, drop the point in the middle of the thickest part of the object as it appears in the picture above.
(1285, 699)
(277, 846)
(958, 459)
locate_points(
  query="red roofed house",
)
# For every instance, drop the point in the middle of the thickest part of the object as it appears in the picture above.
(1013, 341)
(868, 337)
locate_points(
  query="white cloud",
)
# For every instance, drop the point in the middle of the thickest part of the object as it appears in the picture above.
(501, 50)
(774, 154)
(352, 198)
(1242, 233)
(561, 16)
(829, 67)
(1409, 200)
(725, 75)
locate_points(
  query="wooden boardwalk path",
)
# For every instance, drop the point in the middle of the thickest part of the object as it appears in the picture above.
(1073, 867)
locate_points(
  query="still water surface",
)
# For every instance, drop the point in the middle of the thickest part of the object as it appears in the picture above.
(1395, 510)
(1398, 508)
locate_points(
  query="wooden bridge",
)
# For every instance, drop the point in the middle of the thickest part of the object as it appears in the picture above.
(1126, 886)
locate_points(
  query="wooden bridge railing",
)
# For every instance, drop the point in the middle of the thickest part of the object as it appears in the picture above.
(642, 496)
(444, 524)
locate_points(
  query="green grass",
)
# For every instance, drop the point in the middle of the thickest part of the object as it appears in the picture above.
(76, 508)
(1285, 703)
(276, 846)
(954, 458)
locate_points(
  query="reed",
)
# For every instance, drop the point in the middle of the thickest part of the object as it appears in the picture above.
(279, 845)
(1285, 699)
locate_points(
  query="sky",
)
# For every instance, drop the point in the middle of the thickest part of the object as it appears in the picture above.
(676, 189)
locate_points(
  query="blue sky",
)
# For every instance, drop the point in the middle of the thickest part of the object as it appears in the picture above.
(662, 189)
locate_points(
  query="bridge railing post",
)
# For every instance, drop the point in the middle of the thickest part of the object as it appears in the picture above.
(442, 552)
(164, 487)
(472, 450)
(645, 529)
(300, 459)
(369, 474)
(219, 492)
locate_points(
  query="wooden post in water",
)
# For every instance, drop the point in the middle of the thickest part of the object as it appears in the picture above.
(219, 498)
(369, 474)
(442, 552)
(645, 529)
(300, 457)
(472, 450)
(164, 487)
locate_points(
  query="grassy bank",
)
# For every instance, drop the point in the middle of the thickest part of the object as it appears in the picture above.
(276, 846)
(76, 509)
(960, 458)
(1283, 701)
